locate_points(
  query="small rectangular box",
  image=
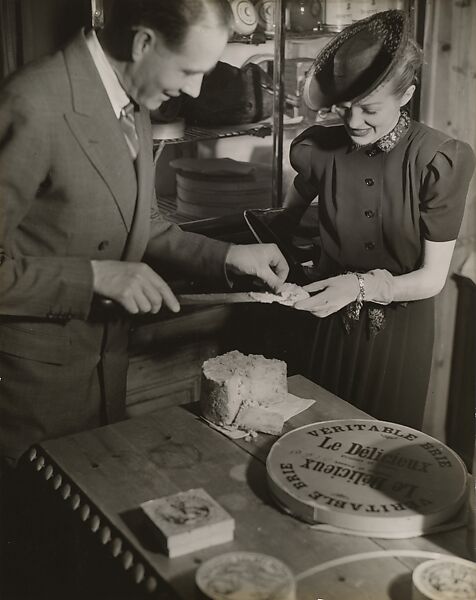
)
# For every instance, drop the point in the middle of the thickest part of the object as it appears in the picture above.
(189, 521)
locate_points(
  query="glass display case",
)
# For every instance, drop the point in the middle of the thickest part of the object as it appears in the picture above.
(282, 37)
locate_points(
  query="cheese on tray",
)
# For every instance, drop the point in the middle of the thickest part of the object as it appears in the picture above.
(233, 383)
(288, 294)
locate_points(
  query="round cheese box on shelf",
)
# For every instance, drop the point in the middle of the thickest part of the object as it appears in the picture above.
(217, 187)
(367, 476)
(168, 131)
(245, 576)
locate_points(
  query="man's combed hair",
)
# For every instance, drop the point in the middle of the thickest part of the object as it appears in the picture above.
(171, 18)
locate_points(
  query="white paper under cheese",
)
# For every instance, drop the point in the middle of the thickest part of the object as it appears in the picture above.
(254, 418)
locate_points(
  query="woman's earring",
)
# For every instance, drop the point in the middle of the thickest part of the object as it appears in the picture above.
(324, 112)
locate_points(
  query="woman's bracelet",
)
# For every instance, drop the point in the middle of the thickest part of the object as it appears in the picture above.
(359, 301)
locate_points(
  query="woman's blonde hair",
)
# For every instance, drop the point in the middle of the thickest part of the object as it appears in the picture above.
(406, 72)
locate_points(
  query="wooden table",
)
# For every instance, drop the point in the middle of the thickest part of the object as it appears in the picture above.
(101, 476)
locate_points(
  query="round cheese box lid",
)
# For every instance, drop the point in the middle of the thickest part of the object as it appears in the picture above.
(367, 476)
(449, 578)
(245, 576)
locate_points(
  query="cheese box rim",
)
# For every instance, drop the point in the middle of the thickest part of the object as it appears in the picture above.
(408, 526)
(383, 534)
(312, 511)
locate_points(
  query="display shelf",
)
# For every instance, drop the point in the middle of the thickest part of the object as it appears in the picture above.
(168, 208)
(198, 134)
(255, 38)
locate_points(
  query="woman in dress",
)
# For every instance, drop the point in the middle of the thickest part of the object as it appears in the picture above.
(391, 194)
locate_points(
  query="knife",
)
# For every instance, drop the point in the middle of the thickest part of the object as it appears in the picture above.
(210, 299)
(194, 300)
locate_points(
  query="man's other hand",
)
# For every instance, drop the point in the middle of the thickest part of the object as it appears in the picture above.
(262, 260)
(135, 286)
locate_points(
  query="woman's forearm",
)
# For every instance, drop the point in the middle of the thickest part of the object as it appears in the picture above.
(424, 282)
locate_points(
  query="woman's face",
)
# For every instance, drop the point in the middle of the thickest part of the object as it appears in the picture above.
(367, 120)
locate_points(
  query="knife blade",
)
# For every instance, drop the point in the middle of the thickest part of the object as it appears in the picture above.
(223, 298)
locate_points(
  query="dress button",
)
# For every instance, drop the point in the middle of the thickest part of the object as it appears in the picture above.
(369, 181)
(369, 214)
(369, 245)
(103, 245)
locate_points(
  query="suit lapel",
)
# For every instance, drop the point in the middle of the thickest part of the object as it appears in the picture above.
(97, 130)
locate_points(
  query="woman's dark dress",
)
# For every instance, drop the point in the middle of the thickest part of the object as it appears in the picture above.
(377, 205)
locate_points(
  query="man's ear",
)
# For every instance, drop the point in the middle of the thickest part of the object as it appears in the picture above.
(407, 96)
(142, 42)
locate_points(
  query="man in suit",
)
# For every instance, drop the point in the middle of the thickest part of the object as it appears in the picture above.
(78, 218)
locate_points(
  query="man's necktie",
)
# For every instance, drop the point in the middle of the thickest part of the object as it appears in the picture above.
(128, 125)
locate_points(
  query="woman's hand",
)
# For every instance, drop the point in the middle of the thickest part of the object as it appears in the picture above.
(332, 295)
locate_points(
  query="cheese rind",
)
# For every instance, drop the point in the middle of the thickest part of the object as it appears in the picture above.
(233, 380)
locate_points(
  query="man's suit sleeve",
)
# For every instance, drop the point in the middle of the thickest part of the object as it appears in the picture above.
(44, 284)
(179, 253)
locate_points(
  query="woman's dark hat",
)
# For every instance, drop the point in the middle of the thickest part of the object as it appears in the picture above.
(357, 60)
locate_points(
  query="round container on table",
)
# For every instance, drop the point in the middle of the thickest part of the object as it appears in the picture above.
(449, 578)
(245, 576)
(367, 476)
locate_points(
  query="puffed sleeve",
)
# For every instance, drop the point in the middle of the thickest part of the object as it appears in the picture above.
(300, 156)
(443, 194)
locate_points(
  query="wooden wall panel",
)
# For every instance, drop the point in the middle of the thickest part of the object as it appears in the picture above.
(448, 104)
(48, 24)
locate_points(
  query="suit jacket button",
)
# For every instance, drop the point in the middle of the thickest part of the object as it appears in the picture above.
(103, 245)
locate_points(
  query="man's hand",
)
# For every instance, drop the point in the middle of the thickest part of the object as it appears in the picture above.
(333, 294)
(262, 260)
(135, 286)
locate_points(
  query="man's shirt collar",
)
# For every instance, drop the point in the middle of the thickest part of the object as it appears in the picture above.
(117, 96)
